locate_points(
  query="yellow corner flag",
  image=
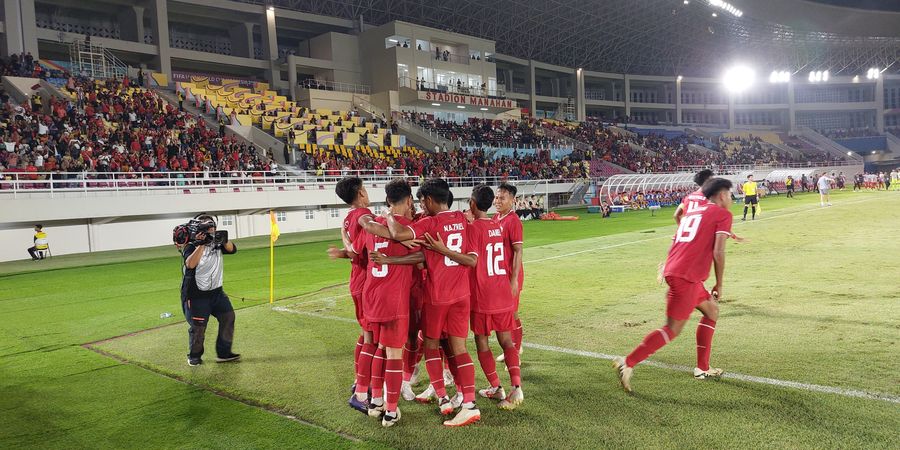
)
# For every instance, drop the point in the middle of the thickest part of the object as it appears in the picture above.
(273, 237)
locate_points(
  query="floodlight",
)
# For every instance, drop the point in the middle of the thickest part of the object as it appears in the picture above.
(738, 78)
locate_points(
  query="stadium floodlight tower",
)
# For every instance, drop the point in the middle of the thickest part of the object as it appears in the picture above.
(738, 78)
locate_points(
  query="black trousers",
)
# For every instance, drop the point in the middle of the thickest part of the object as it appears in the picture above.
(197, 308)
(33, 252)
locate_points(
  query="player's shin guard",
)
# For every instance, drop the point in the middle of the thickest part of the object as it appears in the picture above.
(452, 364)
(489, 366)
(652, 342)
(705, 331)
(517, 334)
(465, 377)
(378, 374)
(364, 374)
(511, 358)
(435, 369)
(393, 378)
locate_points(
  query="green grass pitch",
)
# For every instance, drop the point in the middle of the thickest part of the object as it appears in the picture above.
(811, 299)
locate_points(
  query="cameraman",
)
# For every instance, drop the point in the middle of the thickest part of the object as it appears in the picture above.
(201, 290)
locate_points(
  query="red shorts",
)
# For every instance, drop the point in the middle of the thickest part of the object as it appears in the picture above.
(483, 324)
(391, 334)
(683, 297)
(360, 317)
(450, 319)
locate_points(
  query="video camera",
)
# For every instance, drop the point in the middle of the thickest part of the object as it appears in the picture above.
(201, 223)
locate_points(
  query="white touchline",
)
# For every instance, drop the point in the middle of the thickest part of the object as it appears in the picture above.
(737, 376)
(623, 244)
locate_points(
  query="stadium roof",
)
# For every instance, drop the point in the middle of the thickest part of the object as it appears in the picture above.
(652, 37)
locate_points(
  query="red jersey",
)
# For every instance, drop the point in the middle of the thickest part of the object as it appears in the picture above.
(448, 281)
(691, 254)
(357, 264)
(386, 293)
(512, 234)
(489, 279)
(694, 199)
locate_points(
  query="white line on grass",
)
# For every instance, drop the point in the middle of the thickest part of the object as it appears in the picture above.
(737, 376)
(623, 244)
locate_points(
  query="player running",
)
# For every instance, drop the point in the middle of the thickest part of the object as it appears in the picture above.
(750, 198)
(353, 193)
(513, 238)
(700, 241)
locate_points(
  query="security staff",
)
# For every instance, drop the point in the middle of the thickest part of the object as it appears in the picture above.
(40, 243)
(202, 294)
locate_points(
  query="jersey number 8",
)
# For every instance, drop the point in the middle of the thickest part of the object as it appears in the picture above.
(455, 243)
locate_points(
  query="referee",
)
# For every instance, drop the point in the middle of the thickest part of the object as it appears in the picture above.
(750, 198)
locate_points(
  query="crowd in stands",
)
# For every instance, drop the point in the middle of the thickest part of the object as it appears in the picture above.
(108, 127)
(487, 132)
(529, 207)
(643, 200)
(456, 163)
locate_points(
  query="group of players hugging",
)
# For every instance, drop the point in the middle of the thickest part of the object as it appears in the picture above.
(420, 282)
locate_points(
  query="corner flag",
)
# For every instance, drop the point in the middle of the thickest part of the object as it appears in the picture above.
(273, 236)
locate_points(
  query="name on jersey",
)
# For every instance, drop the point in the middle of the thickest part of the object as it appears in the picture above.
(454, 227)
(494, 233)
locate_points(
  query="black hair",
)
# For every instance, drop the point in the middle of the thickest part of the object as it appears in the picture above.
(483, 196)
(702, 176)
(750, 176)
(437, 189)
(397, 191)
(715, 185)
(508, 188)
(39, 226)
(348, 189)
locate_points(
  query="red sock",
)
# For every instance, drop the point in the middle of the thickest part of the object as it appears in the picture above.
(378, 374)
(486, 359)
(409, 364)
(517, 334)
(364, 374)
(393, 377)
(435, 371)
(705, 331)
(652, 342)
(511, 358)
(466, 380)
(453, 365)
(359, 346)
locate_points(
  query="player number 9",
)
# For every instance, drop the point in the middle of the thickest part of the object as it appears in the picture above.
(454, 242)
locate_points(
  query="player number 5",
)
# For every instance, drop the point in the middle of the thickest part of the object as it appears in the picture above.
(383, 271)
(687, 231)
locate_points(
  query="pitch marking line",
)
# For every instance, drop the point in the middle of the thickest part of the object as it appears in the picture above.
(736, 376)
(623, 244)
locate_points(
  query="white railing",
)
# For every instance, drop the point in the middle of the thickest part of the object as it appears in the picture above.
(736, 168)
(67, 184)
(325, 85)
(451, 88)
